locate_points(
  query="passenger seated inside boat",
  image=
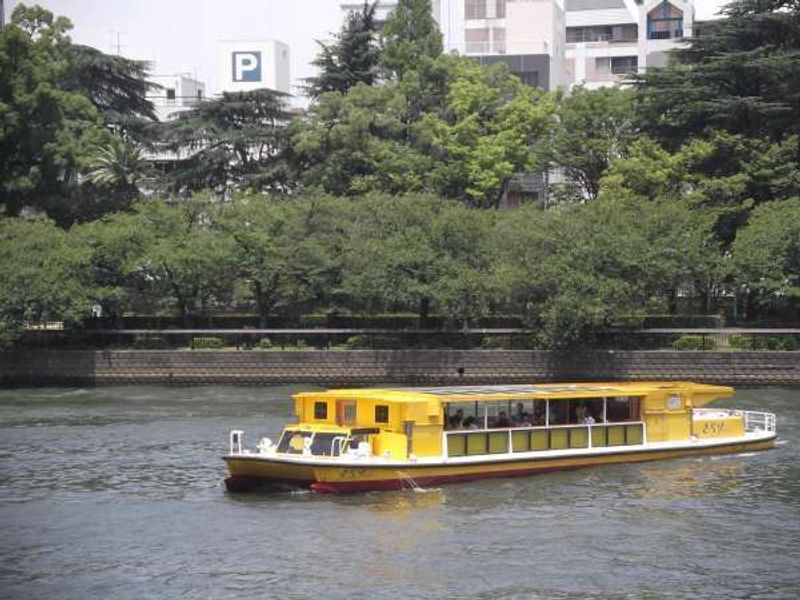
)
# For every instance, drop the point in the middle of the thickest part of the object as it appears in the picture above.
(502, 420)
(518, 416)
(457, 420)
(470, 423)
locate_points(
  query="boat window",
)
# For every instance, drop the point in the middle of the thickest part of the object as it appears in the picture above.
(346, 412)
(586, 410)
(320, 410)
(559, 412)
(463, 415)
(381, 414)
(322, 444)
(292, 441)
(539, 412)
(622, 408)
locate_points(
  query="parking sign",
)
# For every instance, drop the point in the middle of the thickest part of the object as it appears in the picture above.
(246, 66)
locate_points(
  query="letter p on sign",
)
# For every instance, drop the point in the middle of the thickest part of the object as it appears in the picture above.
(247, 66)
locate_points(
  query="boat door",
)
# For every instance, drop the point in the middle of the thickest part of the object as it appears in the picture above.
(346, 412)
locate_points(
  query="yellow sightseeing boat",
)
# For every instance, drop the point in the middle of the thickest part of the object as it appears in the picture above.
(382, 439)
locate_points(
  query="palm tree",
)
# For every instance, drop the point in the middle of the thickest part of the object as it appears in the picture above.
(120, 165)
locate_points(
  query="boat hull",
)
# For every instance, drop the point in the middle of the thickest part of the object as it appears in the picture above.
(255, 472)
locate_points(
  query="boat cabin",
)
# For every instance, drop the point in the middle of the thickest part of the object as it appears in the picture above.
(468, 421)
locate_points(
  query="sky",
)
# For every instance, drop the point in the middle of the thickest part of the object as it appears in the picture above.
(180, 36)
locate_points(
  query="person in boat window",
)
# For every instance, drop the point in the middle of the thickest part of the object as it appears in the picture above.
(518, 416)
(470, 423)
(502, 420)
(457, 420)
(584, 416)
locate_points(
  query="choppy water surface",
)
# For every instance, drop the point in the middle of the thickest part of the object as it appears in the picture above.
(116, 492)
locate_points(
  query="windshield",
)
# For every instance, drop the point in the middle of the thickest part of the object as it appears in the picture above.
(322, 444)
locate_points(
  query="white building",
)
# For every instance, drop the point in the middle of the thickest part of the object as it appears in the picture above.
(608, 40)
(246, 65)
(527, 35)
(177, 92)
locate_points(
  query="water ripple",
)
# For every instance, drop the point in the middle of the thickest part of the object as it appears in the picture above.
(117, 492)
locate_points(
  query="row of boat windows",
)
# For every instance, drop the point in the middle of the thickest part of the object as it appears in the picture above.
(474, 443)
(540, 413)
(347, 412)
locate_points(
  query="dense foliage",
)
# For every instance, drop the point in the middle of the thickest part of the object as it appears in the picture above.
(351, 58)
(384, 195)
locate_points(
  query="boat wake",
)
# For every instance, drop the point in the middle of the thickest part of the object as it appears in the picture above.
(410, 484)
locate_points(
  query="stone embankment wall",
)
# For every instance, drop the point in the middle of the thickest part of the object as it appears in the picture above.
(411, 367)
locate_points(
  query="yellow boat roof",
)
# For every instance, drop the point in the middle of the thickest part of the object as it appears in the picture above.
(466, 393)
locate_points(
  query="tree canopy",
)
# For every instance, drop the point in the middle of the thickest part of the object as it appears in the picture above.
(743, 76)
(234, 141)
(351, 58)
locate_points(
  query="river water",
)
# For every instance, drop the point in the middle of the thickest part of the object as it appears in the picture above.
(117, 493)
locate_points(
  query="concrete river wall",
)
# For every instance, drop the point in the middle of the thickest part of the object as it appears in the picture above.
(412, 367)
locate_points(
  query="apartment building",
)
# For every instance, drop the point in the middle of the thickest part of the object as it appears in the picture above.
(608, 40)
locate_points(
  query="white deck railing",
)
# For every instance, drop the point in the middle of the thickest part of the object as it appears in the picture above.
(753, 420)
(759, 421)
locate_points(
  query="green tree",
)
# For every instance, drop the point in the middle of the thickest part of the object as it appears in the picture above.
(44, 275)
(575, 269)
(724, 173)
(411, 39)
(417, 252)
(466, 148)
(117, 86)
(185, 259)
(743, 77)
(121, 166)
(116, 244)
(766, 253)
(161, 257)
(47, 132)
(288, 252)
(487, 130)
(352, 58)
(235, 141)
(594, 128)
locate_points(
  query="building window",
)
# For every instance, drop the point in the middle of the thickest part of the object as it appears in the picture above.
(664, 22)
(530, 78)
(199, 95)
(498, 40)
(477, 40)
(500, 9)
(381, 414)
(602, 33)
(170, 93)
(474, 9)
(624, 65)
(320, 410)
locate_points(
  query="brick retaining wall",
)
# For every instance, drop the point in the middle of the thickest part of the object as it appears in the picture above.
(361, 367)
